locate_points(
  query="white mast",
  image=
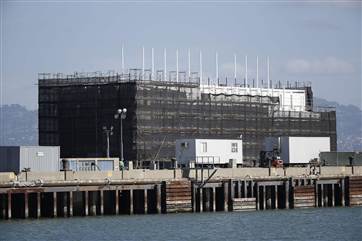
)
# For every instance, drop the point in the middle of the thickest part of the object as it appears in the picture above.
(235, 67)
(152, 64)
(200, 67)
(189, 64)
(268, 73)
(143, 63)
(217, 66)
(164, 64)
(122, 59)
(257, 72)
(246, 71)
(176, 65)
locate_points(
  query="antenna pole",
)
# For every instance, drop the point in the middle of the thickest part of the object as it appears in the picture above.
(257, 72)
(268, 73)
(246, 71)
(176, 65)
(200, 67)
(164, 64)
(189, 64)
(235, 67)
(143, 63)
(217, 66)
(122, 59)
(152, 64)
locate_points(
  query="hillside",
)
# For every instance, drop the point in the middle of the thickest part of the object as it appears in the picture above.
(19, 125)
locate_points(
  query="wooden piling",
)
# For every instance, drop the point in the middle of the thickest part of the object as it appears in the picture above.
(343, 198)
(145, 201)
(101, 202)
(65, 205)
(213, 199)
(264, 197)
(9, 205)
(257, 197)
(86, 200)
(54, 204)
(276, 196)
(286, 189)
(70, 204)
(332, 196)
(245, 189)
(226, 196)
(131, 201)
(117, 201)
(159, 198)
(38, 205)
(201, 200)
(26, 204)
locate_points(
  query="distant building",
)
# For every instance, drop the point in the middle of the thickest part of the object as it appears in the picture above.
(209, 152)
(30, 158)
(74, 108)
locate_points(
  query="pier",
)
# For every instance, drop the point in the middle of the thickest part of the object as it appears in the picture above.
(142, 191)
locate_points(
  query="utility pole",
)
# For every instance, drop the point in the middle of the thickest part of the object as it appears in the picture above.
(121, 115)
(108, 133)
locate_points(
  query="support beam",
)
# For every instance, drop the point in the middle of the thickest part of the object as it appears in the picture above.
(276, 196)
(239, 189)
(226, 196)
(316, 194)
(257, 197)
(201, 200)
(26, 204)
(343, 200)
(65, 204)
(70, 204)
(159, 198)
(54, 204)
(131, 201)
(9, 205)
(117, 201)
(3, 206)
(101, 202)
(214, 199)
(86, 201)
(251, 188)
(322, 195)
(264, 197)
(145, 201)
(286, 187)
(38, 205)
(93, 206)
(332, 196)
(246, 189)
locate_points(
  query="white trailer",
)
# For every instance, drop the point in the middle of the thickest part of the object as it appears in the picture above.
(297, 150)
(209, 151)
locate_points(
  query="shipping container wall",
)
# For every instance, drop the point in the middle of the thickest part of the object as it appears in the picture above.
(9, 159)
(40, 158)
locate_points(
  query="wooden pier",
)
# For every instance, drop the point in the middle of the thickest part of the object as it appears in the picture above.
(37, 199)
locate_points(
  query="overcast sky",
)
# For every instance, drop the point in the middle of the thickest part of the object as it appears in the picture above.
(311, 41)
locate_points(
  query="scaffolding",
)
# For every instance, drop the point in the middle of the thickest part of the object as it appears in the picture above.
(73, 110)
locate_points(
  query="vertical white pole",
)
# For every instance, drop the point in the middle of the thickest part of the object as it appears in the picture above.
(283, 97)
(189, 64)
(152, 64)
(200, 67)
(143, 63)
(217, 66)
(246, 71)
(164, 64)
(268, 73)
(176, 65)
(257, 72)
(122, 59)
(235, 67)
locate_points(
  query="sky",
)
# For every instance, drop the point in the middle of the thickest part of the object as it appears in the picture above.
(308, 41)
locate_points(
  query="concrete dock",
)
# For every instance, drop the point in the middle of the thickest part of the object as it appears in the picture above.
(141, 191)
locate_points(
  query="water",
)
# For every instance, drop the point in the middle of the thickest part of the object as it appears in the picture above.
(330, 224)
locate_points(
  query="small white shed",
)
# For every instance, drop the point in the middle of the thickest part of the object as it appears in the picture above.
(297, 149)
(209, 151)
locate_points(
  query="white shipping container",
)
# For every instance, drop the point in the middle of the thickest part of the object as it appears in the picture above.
(209, 151)
(295, 150)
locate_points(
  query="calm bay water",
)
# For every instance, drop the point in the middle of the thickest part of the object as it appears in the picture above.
(330, 224)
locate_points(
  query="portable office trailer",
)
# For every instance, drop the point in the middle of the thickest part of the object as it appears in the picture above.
(294, 150)
(209, 151)
(33, 158)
